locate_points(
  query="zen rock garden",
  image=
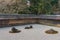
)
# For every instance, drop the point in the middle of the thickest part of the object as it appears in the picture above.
(51, 31)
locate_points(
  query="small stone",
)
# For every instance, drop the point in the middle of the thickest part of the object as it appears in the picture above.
(28, 27)
(31, 27)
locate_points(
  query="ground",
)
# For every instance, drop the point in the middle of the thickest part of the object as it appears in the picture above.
(36, 33)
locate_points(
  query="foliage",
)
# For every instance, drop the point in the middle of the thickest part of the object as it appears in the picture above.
(36, 7)
(42, 6)
(54, 2)
(25, 11)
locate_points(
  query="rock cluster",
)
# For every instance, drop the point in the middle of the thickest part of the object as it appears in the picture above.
(51, 31)
(14, 30)
(28, 27)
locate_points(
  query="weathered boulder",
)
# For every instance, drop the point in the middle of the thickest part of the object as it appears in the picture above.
(14, 30)
(51, 31)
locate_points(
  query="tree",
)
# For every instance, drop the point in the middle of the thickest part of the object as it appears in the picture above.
(42, 6)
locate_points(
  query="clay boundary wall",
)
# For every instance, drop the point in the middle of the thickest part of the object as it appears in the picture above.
(12, 22)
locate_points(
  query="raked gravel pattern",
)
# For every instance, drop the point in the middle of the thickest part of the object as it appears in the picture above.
(36, 33)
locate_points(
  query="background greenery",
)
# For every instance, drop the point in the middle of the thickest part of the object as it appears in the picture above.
(36, 7)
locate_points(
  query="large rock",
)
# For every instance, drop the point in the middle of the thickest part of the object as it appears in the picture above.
(51, 31)
(14, 30)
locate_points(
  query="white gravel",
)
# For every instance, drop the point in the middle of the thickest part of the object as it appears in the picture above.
(36, 33)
